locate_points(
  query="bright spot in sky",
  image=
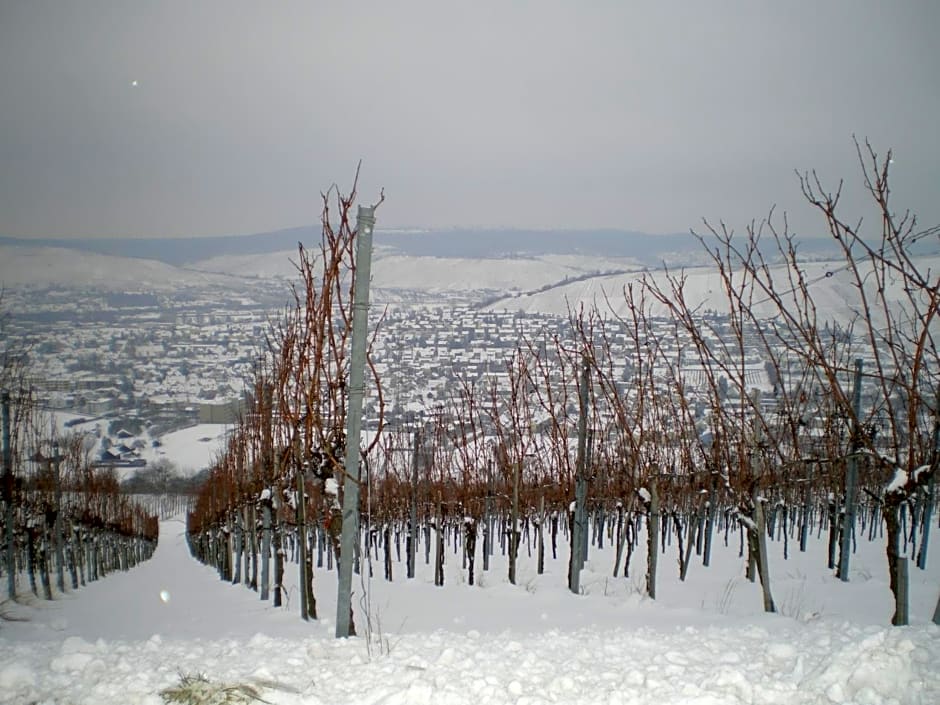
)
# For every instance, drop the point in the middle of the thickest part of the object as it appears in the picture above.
(164, 594)
(134, 82)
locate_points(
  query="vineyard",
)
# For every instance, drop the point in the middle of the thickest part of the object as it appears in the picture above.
(666, 438)
(656, 419)
(65, 522)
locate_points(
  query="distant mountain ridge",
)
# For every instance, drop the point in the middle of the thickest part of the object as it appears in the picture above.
(651, 250)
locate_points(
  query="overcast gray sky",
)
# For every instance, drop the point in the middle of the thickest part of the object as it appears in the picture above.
(646, 116)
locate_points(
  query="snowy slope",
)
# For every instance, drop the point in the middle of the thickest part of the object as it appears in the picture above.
(523, 273)
(125, 638)
(46, 266)
(517, 276)
(40, 267)
(396, 271)
(190, 449)
(830, 287)
(266, 265)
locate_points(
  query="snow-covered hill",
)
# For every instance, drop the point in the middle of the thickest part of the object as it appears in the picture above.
(831, 287)
(44, 267)
(129, 636)
(397, 271)
(534, 284)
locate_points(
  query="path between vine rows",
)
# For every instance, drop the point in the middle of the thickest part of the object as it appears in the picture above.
(127, 637)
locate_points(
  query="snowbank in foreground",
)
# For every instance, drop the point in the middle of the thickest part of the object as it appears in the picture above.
(804, 664)
(123, 639)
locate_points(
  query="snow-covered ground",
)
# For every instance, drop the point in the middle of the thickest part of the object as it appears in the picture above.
(126, 638)
(190, 449)
(39, 267)
(830, 284)
(129, 636)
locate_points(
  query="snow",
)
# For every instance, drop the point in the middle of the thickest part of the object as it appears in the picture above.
(504, 273)
(396, 271)
(746, 521)
(191, 449)
(124, 639)
(641, 666)
(39, 267)
(898, 481)
(835, 296)
(920, 470)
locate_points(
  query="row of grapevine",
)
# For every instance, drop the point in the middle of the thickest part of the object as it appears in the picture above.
(65, 522)
(645, 412)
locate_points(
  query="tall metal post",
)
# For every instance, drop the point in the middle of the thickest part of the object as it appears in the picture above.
(413, 518)
(514, 523)
(365, 222)
(266, 545)
(302, 541)
(8, 497)
(579, 525)
(57, 529)
(931, 490)
(488, 517)
(851, 476)
(267, 452)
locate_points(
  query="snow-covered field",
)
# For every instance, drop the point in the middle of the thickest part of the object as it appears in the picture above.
(830, 285)
(126, 638)
(39, 267)
(190, 449)
(397, 271)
